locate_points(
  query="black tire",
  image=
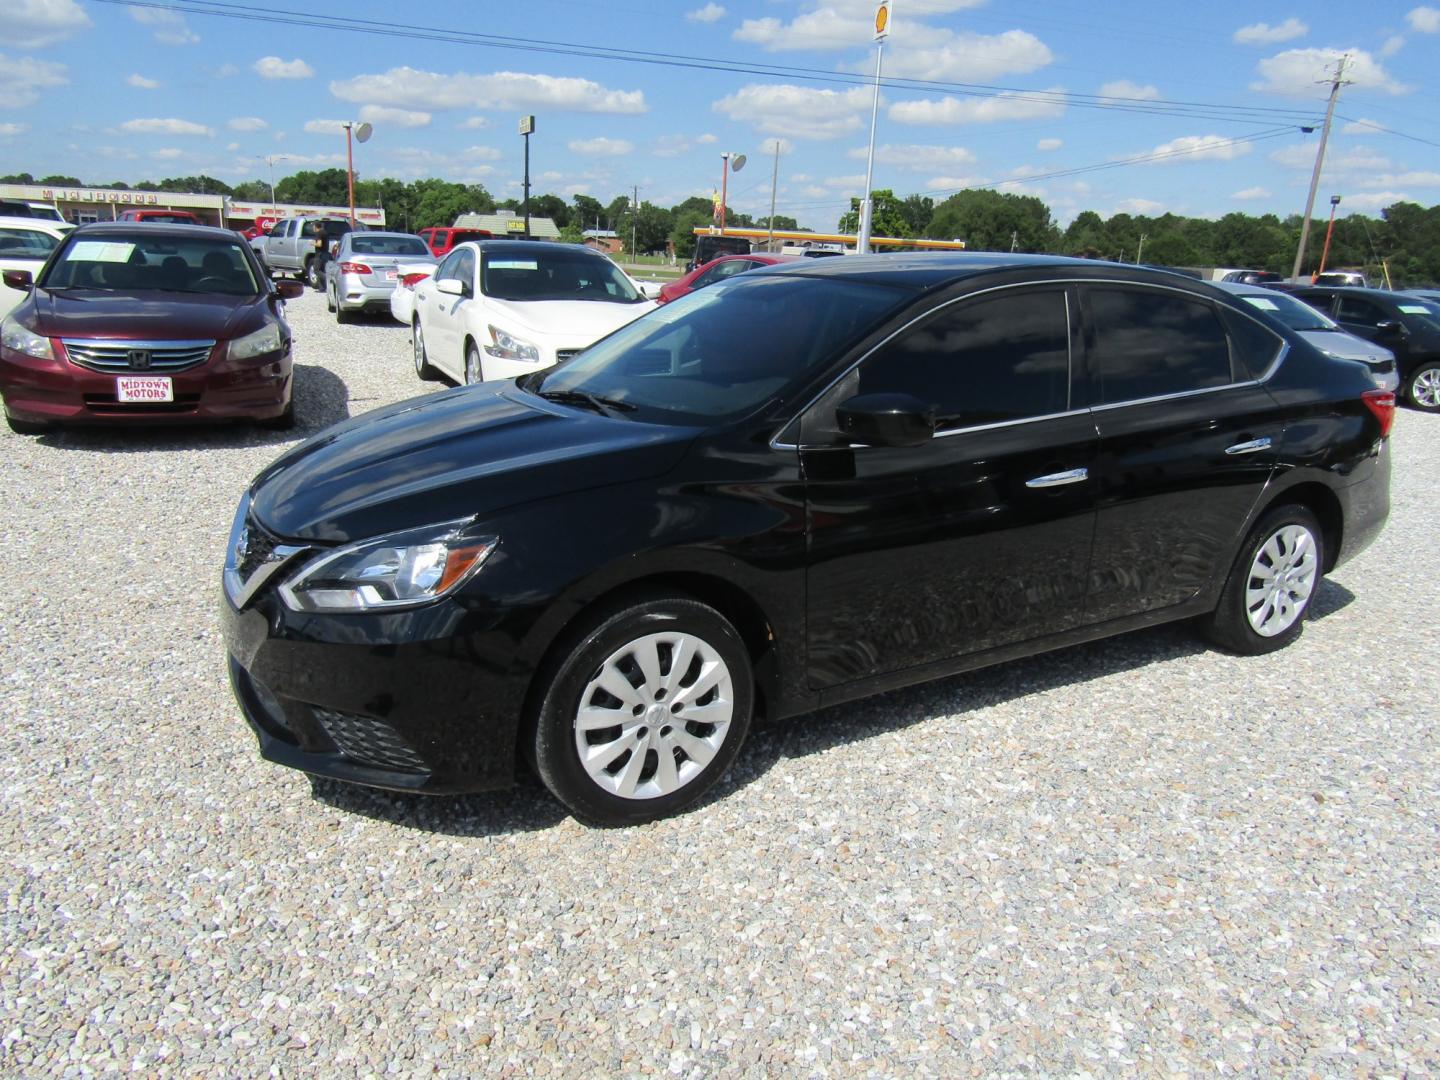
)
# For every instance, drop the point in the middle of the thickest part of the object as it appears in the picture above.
(312, 273)
(27, 427)
(473, 364)
(342, 316)
(424, 370)
(1423, 387)
(330, 304)
(284, 422)
(582, 657)
(1231, 625)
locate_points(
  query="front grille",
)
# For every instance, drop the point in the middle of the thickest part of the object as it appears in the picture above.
(160, 357)
(369, 741)
(565, 354)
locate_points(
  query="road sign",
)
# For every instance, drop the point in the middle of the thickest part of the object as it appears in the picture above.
(527, 125)
(882, 20)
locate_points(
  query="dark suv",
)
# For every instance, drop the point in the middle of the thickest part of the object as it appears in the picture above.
(1409, 326)
(795, 487)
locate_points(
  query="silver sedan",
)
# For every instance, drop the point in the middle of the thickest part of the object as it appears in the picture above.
(365, 269)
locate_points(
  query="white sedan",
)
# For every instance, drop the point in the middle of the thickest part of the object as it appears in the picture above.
(25, 244)
(402, 297)
(495, 309)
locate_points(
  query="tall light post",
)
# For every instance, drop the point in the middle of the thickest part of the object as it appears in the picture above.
(1329, 232)
(728, 163)
(882, 31)
(362, 134)
(527, 126)
(774, 180)
(270, 160)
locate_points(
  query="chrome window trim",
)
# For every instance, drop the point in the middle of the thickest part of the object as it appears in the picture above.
(1280, 356)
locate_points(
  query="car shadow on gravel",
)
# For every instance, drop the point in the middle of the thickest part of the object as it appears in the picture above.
(529, 807)
(321, 399)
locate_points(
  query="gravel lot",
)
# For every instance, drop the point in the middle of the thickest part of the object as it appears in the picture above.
(1133, 855)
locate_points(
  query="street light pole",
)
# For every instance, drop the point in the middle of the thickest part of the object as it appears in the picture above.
(724, 188)
(882, 31)
(350, 172)
(1329, 231)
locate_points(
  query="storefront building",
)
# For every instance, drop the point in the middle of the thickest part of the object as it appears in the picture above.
(82, 205)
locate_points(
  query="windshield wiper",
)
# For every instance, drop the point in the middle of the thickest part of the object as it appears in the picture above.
(593, 401)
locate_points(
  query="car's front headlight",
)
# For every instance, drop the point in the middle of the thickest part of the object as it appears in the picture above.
(21, 340)
(262, 341)
(508, 347)
(395, 571)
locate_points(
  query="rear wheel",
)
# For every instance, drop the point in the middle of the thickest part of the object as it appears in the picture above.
(1424, 388)
(644, 711)
(474, 373)
(423, 367)
(1272, 584)
(329, 299)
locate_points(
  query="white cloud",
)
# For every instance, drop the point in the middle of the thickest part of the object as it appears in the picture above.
(22, 78)
(1147, 207)
(1408, 179)
(272, 67)
(406, 86)
(1047, 145)
(226, 71)
(1265, 34)
(33, 24)
(403, 118)
(1377, 200)
(1198, 148)
(325, 127)
(1007, 105)
(841, 24)
(1424, 20)
(140, 82)
(600, 145)
(1252, 193)
(768, 146)
(854, 181)
(247, 123)
(1393, 44)
(669, 146)
(1361, 127)
(946, 54)
(707, 14)
(165, 127)
(706, 140)
(475, 123)
(1124, 88)
(9, 131)
(232, 147)
(481, 153)
(169, 153)
(918, 158)
(796, 111)
(1297, 72)
(173, 29)
(953, 183)
(1353, 159)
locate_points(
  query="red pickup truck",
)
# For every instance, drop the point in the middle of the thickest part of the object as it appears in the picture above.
(162, 217)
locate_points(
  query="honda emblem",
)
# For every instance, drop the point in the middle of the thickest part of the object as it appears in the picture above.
(139, 359)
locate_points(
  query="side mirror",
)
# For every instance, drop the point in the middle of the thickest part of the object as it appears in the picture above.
(19, 279)
(452, 287)
(289, 290)
(886, 420)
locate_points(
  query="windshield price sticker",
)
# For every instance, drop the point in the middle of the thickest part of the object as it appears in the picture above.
(100, 251)
(1414, 309)
(513, 264)
(1262, 303)
(143, 388)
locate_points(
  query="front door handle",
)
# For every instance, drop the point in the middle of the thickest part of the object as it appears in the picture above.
(1249, 447)
(1059, 479)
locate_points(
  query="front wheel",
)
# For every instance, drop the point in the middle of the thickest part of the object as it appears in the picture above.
(644, 711)
(474, 373)
(1424, 388)
(423, 368)
(1272, 584)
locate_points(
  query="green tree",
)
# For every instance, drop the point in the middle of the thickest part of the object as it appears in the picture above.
(696, 212)
(60, 181)
(789, 224)
(551, 206)
(327, 187)
(251, 191)
(589, 212)
(17, 178)
(918, 210)
(989, 221)
(440, 202)
(196, 185)
(888, 218)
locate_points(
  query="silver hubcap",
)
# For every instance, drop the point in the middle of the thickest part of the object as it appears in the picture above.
(472, 366)
(1426, 388)
(419, 348)
(1282, 577)
(654, 715)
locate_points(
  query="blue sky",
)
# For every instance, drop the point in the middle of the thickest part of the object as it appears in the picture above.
(1009, 93)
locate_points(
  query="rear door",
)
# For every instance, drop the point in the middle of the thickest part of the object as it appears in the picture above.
(978, 538)
(1188, 440)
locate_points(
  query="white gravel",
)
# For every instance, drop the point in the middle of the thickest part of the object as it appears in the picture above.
(1137, 855)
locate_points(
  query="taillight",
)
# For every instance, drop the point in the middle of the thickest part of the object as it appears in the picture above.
(354, 268)
(1382, 404)
(411, 280)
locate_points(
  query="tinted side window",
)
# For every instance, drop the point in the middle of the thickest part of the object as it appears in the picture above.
(1144, 343)
(465, 266)
(984, 361)
(1255, 347)
(1352, 309)
(448, 267)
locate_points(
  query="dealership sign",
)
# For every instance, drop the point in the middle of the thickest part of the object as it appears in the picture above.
(105, 195)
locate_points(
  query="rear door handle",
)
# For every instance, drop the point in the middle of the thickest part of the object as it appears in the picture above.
(1059, 479)
(1249, 447)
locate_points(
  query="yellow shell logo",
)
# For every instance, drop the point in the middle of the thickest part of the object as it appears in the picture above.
(882, 18)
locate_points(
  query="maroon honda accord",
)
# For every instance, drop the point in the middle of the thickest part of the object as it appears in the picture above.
(144, 323)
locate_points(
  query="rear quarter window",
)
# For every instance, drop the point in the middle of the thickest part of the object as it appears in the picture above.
(1148, 343)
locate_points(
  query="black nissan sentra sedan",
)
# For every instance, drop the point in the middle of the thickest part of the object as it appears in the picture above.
(794, 488)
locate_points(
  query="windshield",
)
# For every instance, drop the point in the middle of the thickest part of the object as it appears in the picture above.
(20, 243)
(546, 274)
(718, 353)
(330, 227)
(1296, 314)
(166, 219)
(380, 244)
(143, 262)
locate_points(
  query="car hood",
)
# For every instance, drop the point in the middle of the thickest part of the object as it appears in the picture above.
(456, 454)
(586, 321)
(1348, 346)
(94, 313)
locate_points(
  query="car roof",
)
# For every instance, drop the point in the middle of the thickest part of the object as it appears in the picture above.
(32, 222)
(773, 257)
(932, 269)
(1242, 288)
(524, 247)
(161, 228)
(382, 232)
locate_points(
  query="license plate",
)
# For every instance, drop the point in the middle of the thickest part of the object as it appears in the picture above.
(391, 275)
(143, 388)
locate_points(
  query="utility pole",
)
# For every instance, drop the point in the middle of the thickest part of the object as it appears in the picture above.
(1335, 84)
(634, 213)
(774, 179)
(1141, 247)
(1014, 239)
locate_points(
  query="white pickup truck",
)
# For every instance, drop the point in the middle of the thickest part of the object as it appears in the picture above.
(25, 244)
(301, 246)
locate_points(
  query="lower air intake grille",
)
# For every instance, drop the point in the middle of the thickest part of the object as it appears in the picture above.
(565, 354)
(369, 741)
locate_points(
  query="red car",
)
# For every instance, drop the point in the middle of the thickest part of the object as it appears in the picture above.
(162, 217)
(720, 269)
(132, 323)
(442, 240)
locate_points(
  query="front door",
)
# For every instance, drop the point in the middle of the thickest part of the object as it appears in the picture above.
(978, 538)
